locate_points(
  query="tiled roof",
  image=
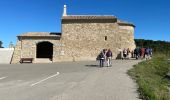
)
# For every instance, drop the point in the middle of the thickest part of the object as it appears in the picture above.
(94, 18)
(40, 34)
(88, 18)
(120, 22)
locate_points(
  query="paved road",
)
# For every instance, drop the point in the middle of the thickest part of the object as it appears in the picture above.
(67, 81)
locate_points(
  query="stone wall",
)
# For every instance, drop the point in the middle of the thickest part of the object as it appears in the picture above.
(17, 53)
(126, 34)
(84, 41)
(26, 48)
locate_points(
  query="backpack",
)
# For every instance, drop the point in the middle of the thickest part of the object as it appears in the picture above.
(101, 56)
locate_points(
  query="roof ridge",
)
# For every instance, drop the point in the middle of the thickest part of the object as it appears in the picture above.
(89, 15)
(38, 34)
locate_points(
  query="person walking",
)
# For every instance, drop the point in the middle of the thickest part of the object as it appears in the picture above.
(102, 58)
(128, 53)
(142, 53)
(109, 57)
(132, 54)
(147, 53)
(150, 52)
(105, 58)
(124, 53)
(137, 52)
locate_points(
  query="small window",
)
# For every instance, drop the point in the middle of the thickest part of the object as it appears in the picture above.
(105, 38)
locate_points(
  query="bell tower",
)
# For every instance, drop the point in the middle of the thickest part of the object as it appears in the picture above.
(65, 10)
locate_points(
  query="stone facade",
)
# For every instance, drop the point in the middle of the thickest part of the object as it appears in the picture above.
(82, 38)
(27, 45)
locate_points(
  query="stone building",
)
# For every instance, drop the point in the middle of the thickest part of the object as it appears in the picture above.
(82, 37)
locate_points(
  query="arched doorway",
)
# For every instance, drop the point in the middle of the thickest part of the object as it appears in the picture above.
(44, 50)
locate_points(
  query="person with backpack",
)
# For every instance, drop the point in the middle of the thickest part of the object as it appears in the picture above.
(150, 52)
(102, 58)
(137, 52)
(147, 53)
(109, 57)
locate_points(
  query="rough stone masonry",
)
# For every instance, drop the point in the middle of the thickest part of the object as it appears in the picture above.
(82, 38)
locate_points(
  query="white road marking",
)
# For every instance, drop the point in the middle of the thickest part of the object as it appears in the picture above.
(1, 78)
(45, 79)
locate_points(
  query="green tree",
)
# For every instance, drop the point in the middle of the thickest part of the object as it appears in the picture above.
(1, 44)
(157, 46)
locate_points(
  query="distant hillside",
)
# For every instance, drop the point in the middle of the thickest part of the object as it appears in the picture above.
(158, 46)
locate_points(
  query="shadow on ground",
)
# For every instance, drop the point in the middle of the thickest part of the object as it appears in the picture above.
(92, 65)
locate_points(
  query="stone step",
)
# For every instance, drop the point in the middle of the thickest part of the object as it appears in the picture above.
(43, 60)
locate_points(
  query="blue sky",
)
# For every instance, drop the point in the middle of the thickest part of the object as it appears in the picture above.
(151, 17)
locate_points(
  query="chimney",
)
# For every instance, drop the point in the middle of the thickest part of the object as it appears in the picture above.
(65, 11)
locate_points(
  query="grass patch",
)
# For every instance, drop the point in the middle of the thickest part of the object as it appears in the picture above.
(151, 78)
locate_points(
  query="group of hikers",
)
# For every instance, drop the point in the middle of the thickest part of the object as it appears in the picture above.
(105, 55)
(137, 53)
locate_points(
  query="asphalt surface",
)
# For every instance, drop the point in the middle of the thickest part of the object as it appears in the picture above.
(67, 81)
